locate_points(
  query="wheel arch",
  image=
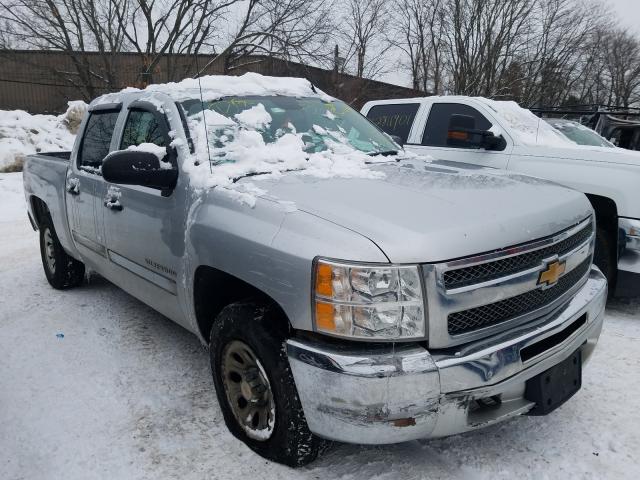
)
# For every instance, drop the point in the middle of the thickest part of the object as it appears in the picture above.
(606, 214)
(39, 210)
(214, 289)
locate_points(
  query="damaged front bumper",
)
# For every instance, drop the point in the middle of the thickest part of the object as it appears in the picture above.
(393, 393)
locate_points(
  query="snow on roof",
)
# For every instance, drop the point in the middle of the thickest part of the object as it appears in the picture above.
(219, 86)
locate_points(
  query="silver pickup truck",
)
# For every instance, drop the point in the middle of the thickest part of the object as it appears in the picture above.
(362, 295)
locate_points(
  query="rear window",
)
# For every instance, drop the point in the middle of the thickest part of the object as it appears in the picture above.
(394, 119)
(97, 139)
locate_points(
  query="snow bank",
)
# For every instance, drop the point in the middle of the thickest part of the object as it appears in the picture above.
(530, 129)
(22, 133)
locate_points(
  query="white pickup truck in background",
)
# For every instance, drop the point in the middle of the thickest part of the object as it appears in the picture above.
(503, 135)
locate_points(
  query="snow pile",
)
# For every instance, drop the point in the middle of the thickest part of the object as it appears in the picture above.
(254, 117)
(530, 129)
(23, 134)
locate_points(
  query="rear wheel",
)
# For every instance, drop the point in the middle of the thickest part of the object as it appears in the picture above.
(255, 387)
(605, 257)
(62, 270)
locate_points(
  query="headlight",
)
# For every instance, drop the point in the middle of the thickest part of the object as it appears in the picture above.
(376, 302)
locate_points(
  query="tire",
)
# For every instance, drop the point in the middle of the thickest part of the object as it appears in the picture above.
(62, 271)
(281, 433)
(605, 258)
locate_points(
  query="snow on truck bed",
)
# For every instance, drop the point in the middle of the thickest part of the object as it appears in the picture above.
(22, 133)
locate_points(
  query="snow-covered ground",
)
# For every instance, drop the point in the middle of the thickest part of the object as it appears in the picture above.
(94, 384)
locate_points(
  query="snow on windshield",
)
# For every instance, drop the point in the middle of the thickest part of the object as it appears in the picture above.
(269, 136)
(530, 129)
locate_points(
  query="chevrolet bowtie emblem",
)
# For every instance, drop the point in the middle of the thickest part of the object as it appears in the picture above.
(552, 273)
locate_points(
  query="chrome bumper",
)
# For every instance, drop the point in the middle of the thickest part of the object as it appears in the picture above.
(395, 393)
(629, 260)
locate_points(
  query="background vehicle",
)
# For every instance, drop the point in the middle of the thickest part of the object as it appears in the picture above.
(578, 133)
(503, 135)
(351, 293)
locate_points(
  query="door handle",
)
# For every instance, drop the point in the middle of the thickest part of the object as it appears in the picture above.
(113, 204)
(112, 200)
(73, 186)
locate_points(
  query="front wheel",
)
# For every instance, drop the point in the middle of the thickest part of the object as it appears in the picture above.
(62, 270)
(255, 387)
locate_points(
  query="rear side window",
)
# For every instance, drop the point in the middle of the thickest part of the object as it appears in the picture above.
(96, 139)
(143, 127)
(394, 119)
(436, 131)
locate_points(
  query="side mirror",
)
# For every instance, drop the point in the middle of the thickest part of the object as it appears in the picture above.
(136, 167)
(398, 140)
(463, 133)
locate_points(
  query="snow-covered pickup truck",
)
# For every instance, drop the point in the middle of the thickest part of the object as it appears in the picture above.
(347, 290)
(503, 135)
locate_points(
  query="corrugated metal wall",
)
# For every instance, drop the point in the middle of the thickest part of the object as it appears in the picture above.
(28, 81)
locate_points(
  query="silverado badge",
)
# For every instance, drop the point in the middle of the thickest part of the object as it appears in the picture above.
(552, 273)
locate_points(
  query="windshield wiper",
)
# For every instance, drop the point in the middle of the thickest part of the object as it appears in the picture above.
(253, 174)
(384, 153)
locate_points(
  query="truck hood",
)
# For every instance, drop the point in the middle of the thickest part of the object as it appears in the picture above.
(422, 211)
(619, 156)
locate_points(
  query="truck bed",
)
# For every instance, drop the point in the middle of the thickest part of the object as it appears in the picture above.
(44, 176)
(59, 156)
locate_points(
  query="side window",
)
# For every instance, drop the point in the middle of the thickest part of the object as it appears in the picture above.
(394, 119)
(142, 127)
(437, 129)
(96, 139)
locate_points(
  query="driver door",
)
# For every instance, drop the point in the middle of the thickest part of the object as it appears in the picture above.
(435, 139)
(144, 234)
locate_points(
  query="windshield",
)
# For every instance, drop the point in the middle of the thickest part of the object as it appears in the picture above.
(579, 133)
(318, 124)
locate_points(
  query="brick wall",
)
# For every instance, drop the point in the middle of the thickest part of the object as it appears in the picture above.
(28, 81)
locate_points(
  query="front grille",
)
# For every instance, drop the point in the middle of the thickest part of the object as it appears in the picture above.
(498, 312)
(518, 263)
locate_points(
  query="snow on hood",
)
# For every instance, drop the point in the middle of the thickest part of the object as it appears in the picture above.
(429, 212)
(22, 133)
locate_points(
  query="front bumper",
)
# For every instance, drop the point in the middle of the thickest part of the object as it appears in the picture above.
(394, 393)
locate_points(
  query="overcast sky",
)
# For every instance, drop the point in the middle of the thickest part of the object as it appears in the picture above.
(628, 11)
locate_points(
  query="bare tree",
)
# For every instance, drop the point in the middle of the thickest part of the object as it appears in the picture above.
(289, 29)
(419, 28)
(556, 51)
(78, 28)
(363, 29)
(482, 39)
(622, 54)
(156, 29)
